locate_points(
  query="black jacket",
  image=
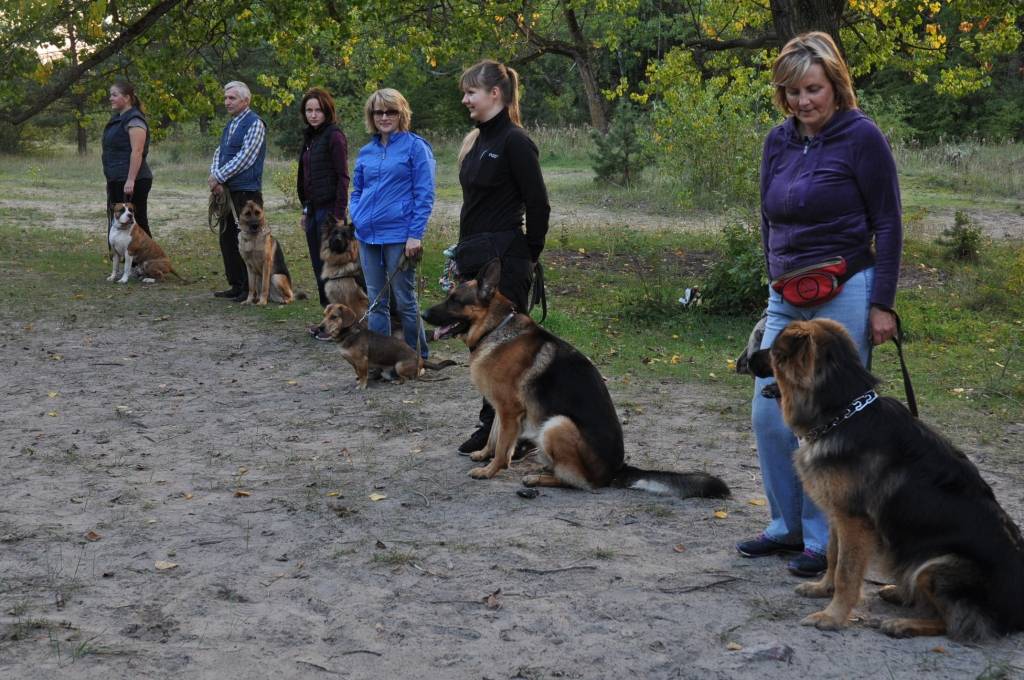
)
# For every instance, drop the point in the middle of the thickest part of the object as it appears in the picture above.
(501, 181)
(323, 169)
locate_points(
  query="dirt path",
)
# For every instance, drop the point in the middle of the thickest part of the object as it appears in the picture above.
(244, 456)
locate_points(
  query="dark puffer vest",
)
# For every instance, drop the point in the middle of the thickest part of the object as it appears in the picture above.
(117, 147)
(323, 177)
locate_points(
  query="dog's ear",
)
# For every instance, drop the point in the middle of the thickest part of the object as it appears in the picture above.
(348, 317)
(793, 354)
(487, 280)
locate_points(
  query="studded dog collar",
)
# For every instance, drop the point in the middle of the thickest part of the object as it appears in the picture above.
(855, 407)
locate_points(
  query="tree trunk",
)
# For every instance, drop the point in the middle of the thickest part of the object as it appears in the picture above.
(77, 99)
(596, 102)
(793, 17)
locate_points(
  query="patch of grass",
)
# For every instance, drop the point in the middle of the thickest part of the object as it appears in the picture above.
(394, 558)
(603, 553)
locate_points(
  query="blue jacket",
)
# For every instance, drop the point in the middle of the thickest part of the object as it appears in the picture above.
(834, 195)
(392, 189)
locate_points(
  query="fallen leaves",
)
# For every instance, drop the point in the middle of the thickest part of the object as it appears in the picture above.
(493, 601)
(239, 493)
(92, 536)
(163, 565)
(734, 646)
(377, 497)
(679, 547)
(721, 514)
(757, 501)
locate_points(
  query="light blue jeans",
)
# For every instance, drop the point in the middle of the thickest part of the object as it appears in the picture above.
(795, 517)
(378, 262)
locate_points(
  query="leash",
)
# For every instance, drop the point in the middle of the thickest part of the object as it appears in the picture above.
(387, 284)
(539, 294)
(908, 388)
(216, 211)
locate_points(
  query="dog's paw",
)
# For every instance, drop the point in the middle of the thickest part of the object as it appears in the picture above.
(246, 301)
(892, 595)
(824, 620)
(485, 472)
(148, 280)
(261, 303)
(818, 589)
(123, 279)
(112, 277)
(531, 480)
(481, 455)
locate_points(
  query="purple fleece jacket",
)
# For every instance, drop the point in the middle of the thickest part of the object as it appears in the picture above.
(829, 197)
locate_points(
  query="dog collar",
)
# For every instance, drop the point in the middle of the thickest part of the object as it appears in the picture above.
(511, 315)
(340, 276)
(855, 407)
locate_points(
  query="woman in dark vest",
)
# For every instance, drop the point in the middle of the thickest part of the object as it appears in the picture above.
(323, 174)
(125, 147)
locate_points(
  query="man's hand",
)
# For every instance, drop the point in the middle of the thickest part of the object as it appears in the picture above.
(215, 186)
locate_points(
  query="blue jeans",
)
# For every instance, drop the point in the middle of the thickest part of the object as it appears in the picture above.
(379, 261)
(795, 517)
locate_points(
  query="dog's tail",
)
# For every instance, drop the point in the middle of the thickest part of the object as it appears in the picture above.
(438, 366)
(680, 484)
(180, 277)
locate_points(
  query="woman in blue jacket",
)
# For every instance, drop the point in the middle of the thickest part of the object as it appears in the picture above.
(391, 200)
(829, 194)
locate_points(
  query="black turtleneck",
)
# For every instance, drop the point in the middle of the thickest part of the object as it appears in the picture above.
(501, 181)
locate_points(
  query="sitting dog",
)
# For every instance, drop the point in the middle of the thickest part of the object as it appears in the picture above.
(264, 260)
(365, 349)
(545, 391)
(341, 273)
(133, 248)
(893, 488)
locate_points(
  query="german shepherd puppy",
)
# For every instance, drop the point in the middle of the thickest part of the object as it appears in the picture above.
(544, 390)
(264, 260)
(365, 349)
(893, 488)
(341, 273)
(133, 248)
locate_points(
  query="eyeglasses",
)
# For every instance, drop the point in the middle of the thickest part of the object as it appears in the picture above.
(390, 113)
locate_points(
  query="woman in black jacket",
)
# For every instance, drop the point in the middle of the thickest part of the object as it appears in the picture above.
(323, 174)
(499, 170)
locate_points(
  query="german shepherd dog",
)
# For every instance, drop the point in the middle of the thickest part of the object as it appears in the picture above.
(341, 273)
(893, 488)
(264, 260)
(365, 349)
(133, 248)
(545, 391)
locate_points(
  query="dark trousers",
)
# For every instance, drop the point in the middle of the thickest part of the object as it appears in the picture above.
(234, 265)
(115, 194)
(315, 219)
(516, 278)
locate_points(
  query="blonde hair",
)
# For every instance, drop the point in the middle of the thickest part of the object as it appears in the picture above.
(387, 98)
(799, 55)
(488, 74)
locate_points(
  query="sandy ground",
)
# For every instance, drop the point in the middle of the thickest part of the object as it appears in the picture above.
(244, 457)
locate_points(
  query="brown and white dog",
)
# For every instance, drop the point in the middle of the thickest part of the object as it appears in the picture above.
(133, 248)
(342, 275)
(264, 260)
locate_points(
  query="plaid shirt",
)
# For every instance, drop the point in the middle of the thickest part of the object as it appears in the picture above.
(244, 158)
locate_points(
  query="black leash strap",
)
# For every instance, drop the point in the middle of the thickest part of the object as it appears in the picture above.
(907, 387)
(539, 294)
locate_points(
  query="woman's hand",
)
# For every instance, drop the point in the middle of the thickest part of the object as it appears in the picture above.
(413, 247)
(882, 325)
(129, 188)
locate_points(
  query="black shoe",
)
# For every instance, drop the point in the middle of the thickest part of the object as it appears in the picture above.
(242, 295)
(807, 564)
(476, 441)
(762, 546)
(231, 292)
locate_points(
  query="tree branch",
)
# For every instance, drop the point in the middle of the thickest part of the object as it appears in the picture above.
(62, 82)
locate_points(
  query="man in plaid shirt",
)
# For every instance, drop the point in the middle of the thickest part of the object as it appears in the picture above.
(238, 167)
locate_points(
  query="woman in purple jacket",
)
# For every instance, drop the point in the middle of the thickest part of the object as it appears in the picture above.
(391, 201)
(828, 190)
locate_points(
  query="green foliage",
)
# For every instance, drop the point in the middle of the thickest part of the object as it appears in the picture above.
(737, 283)
(284, 179)
(708, 131)
(963, 240)
(619, 155)
(890, 114)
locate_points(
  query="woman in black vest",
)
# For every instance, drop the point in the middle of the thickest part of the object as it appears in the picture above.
(125, 147)
(323, 174)
(502, 187)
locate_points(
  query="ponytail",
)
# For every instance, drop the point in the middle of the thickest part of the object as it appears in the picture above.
(489, 74)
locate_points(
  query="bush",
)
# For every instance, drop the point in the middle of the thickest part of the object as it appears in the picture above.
(619, 156)
(962, 241)
(737, 283)
(284, 181)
